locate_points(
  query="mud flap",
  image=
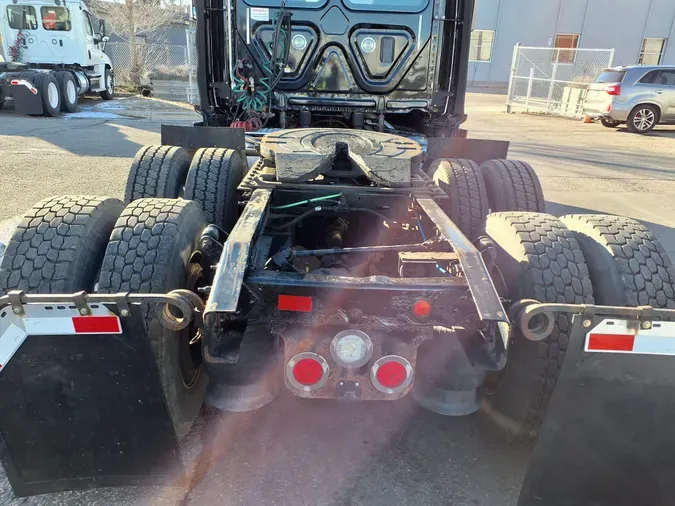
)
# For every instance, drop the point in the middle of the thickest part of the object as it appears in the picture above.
(25, 101)
(608, 438)
(83, 411)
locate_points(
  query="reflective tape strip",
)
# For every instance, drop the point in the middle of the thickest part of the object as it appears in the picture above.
(622, 336)
(10, 340)
(51, 320)
(24, 82)
(61, 326)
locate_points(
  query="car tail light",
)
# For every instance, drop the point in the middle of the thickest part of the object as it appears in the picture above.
(422, 308)
(613, 89)
(307, 371)
(391, 374)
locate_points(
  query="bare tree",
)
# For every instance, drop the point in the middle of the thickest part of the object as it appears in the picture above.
(129, 19)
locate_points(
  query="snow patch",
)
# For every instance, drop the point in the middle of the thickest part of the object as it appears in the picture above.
(91, 115)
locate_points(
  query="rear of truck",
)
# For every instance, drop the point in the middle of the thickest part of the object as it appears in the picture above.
(364, 261)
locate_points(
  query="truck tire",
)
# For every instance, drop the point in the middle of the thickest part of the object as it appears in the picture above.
(150, 251)
(462, 181)
(59, 244)
(68, 89)
(628, 265)
(48, 89)
(212, 182)
(109, 82)
(512, 186)
(538, 258)
(157, 172)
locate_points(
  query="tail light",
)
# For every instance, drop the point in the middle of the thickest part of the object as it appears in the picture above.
(391, 374)
(613, 90)
(307, 371)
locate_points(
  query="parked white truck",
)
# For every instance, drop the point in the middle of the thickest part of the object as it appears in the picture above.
(50, 54)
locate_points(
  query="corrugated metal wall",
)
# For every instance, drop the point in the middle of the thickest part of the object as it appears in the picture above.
(618, 24)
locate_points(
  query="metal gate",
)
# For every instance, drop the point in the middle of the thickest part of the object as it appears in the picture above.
(553, 80)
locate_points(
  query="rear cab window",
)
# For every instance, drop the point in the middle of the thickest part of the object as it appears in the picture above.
(611, 76)
(55, 19)
(22, 17)
(411, 6)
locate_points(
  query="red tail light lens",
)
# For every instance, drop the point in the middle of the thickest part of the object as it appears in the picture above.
(613, 89)
(391, 374)
(307, 371)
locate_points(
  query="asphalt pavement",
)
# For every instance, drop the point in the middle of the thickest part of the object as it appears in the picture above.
(321, 452)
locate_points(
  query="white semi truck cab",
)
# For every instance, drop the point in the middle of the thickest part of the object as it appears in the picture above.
(52, 52)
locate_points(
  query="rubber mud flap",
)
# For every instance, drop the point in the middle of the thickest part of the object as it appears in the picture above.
(85, 411)
(607, 439)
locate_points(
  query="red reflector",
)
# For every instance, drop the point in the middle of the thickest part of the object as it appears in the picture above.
(294, 303)
(613, 90)
(391, 374)
(14, 82)
(422, 308)
(308, 372)
(96, 324)
(612, 342)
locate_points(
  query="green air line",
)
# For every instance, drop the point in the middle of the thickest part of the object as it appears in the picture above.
(310, 201)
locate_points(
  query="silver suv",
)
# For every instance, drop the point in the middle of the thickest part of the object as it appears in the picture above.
(640, 96)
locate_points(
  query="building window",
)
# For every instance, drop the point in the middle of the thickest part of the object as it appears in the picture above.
(652, 51)
(481, 45)
(565, 47)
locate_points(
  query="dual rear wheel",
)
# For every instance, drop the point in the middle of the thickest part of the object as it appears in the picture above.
(68, 244)
(475, 190)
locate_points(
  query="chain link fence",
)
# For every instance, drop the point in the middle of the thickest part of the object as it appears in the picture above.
(554, 80)
(169, 69)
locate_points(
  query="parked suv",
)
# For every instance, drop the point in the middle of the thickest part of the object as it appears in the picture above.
(640, 96)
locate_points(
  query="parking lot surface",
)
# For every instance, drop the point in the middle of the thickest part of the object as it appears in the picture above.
(321, 452)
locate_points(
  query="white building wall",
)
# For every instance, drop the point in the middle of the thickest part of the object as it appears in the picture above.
(601, 24)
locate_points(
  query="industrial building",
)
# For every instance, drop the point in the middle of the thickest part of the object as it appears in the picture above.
(640, 31)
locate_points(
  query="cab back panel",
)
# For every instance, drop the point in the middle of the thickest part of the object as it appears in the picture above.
(350, 47)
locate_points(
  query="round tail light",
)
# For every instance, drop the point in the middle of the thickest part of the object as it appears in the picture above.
(391, 374)
(307, 371)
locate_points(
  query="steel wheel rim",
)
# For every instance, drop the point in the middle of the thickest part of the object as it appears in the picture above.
(644, 119)
(70, 92)
(53, 95)
(109, 84)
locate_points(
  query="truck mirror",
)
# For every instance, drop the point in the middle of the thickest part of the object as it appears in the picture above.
(101, 27)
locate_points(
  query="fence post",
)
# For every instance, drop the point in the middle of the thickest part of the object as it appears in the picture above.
(611, 57)
(530, 81)
(512, 77)
(552, 85)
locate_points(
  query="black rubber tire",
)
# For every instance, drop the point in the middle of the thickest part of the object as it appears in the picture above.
(609, 123)
(59, 244)
(157, 172)
(631, 119)
(212, 182)
(105, 94)
(628, 265)
(462, 181)
(149, 252)
(539, 258)
(41, 81)
(512, 186)
(63, 78)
